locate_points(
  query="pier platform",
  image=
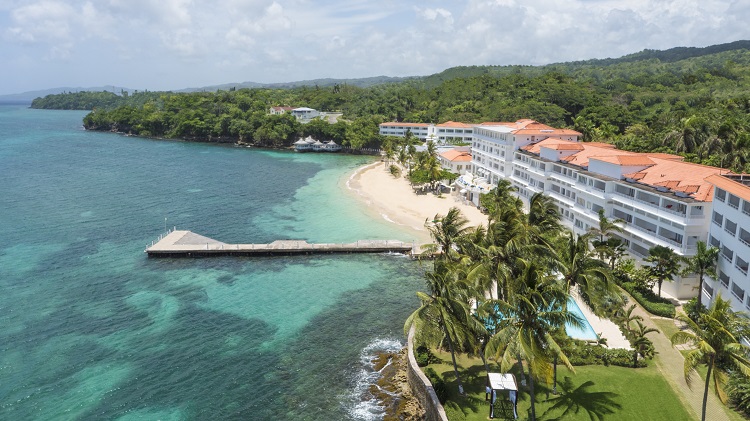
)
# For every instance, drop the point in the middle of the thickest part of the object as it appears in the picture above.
(180, 243)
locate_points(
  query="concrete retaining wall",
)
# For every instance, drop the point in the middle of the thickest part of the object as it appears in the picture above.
(421, 386)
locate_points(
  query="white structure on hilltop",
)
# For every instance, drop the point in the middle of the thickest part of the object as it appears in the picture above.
(449, 132)
(663, 200)
(279, 110)
(305, 114)
(730, 233)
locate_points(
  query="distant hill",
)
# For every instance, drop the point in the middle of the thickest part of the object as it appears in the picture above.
(27, 97)
(672, 55)
(365, 82)
(678, 58)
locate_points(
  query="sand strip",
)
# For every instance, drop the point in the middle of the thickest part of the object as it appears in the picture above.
(394, 200)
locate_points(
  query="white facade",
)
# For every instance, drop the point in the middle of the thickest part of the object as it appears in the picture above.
(305, 114)
(730, 233)
(419, 130)
(457, 160)
(445, 133)
(583, 178)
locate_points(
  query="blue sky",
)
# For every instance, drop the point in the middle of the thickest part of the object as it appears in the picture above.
(173, 44)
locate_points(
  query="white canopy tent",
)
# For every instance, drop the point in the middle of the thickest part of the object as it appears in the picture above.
(501, 383)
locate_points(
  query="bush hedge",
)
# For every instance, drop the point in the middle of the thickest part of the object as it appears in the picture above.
(581, 353)
(438, 384)
(651, 302)
(424, 356)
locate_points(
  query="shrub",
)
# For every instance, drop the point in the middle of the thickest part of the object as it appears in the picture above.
(581, 353)
(651, 302)
(438, 384)
(424, 356)
(453, 411)
(691, 309)
(739, 392)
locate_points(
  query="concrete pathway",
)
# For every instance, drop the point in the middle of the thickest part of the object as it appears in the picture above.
(670, 363)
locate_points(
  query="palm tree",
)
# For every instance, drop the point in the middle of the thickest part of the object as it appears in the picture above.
(604, 231)
(703, 263)
(716, 341)
(628, 318)
(666, 264)
(581, 272)
(446, 307)
(694, 131)
(535, 309)
(544, 214)
(641, 344)
(446, 232)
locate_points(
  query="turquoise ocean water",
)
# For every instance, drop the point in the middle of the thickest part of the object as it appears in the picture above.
(91, 329)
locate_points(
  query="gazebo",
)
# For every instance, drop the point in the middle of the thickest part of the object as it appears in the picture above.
(497, 385)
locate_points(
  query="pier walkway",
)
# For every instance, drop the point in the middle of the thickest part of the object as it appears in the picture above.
(180, 243)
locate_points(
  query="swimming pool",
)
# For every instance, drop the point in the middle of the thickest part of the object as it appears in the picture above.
(586, 332)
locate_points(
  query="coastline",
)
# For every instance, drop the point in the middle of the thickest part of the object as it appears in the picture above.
(392, 199)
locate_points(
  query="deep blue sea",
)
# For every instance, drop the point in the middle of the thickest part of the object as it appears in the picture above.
(92, 329)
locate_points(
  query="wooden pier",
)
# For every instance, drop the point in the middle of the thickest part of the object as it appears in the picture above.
(179, 243)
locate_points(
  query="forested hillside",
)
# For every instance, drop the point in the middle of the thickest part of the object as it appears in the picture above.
(696, 106)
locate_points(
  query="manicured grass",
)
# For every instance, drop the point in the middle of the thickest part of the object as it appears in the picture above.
(614, 393)
(666, 327)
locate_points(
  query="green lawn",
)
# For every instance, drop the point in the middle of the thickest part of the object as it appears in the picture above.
(591, 393)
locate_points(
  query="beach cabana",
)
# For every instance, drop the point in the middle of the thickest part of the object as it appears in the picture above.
(333, 146)
(502, 392)
(318, 146)
(301, 146)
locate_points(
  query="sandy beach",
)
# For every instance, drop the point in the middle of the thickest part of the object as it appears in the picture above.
(393, 200)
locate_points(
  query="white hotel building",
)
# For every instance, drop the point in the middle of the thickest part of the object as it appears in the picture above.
(730, 232)
(663, 200)
(445, 133)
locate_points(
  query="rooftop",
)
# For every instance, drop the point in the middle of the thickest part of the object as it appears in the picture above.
(455, 155)
(663, 172)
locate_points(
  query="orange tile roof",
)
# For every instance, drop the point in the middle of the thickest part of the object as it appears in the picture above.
(661, 170)
(601, 145)
(679, 176)
(455, 155)
(573, 146)
(736, 188)
(627, 160)
(455, 124)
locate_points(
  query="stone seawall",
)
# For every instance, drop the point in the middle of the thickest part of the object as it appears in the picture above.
(421, 386)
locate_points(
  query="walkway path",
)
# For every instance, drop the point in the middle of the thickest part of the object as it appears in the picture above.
(670, 363)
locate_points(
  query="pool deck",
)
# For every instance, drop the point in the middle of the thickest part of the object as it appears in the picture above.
(605, 328)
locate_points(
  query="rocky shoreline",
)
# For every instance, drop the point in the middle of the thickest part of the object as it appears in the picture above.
(392, 389)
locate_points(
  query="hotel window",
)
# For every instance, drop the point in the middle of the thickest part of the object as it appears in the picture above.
(724, 279)
(741, 264)
(727, 253)
(718, 219)
(709, 290)
(721, 194)
(738, 292)
(734, 201)
(730, 227)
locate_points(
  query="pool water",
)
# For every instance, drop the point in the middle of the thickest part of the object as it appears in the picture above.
(585, 332)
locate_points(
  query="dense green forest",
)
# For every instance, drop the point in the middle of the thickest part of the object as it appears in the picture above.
(694, 102)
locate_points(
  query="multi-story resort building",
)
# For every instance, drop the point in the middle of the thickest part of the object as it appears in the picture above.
(730, 233)
(663, 200)
(449, 132)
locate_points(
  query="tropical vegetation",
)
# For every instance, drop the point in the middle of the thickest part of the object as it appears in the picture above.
(691, 102)
(716, 344)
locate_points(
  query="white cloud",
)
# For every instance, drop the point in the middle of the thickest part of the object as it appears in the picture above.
(266, 40)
